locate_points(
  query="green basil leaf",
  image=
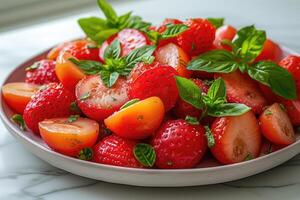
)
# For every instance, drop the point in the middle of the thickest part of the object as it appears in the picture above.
(124, 19)
(136, 22)
(113, 51)
(88, 66)
(217, 90)
(74, 107)
(217, 22)
(192, 120)
(173, 30)
(210, 137)
(249, 43)
(227, 109)
(277, 78)
(92, 25)
(85, 154)
(108, 11)
(145, 154)
(189, 92)
(216, 61)
(129, 103)
(104, 35)
(113, 77)
(18, 119)
(153, 36)
(73, 118)
(138, 55)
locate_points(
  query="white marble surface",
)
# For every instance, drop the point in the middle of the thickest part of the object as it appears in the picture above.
(23, 176)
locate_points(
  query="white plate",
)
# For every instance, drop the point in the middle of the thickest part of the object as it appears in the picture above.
(208, 172)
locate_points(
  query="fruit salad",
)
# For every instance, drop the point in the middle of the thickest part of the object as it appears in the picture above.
(169, 96)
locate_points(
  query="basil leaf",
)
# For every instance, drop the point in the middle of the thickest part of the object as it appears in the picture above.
(108, 11)
(210, 137)
(137, 22)
(227, 109)
(217, 90)
(108, 78)
(173, 30)
(216, 61)
(217, 22)
(129, 103)
(249, 43)
(85, 154)
(153, 36)
(124, 19)
(139, 54)
(145, 154)
(18, 119)
(277, 78)
(113, 50)
(189, 92)
(104, 35)
(88, 66)
(192, 120)
(92, 25)
(73, 118)
(74, 107)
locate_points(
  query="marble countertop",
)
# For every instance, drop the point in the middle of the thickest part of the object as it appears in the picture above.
(24, 176)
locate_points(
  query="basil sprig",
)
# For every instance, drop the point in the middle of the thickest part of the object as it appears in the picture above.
(217, 22)
(246, 46)
(115, 65)
(213, 103)
(99, 29)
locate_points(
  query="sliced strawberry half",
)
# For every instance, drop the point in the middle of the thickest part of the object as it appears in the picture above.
(242, 89)
(98, 101)
(276, 125)
(236, 138)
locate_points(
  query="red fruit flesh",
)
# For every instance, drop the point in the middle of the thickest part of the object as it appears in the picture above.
(242, 89)
(276, 125)
(82, 50)
(179, 145)
(271, 51)
(101, 101)
(198, 38)
(159, 82)
(52, 102)
(236, 138)
(114, 150)
(129, 39)
(43, 74)
(293, 110)
(140, 68)
(225, 32)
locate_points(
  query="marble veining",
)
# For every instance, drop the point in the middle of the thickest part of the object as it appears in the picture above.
(24, 176)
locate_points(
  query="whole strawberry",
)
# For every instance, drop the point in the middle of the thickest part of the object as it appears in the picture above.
(292, 64)
(53, 101)
(114, 150)
(179, 144)
(42, 72)
(198, 38)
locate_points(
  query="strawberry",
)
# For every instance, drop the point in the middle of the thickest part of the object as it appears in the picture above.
(198, 38)
(293, 110)
(241, 88)
(140, 68)
(225, 32)
(163, 27)
(236, 138)
(114, 150)
(129, 39)
(271, 51)
(179, 145)
(292, 64)
(82, 50)
(267, 148)
(98, 101)
(51, 102)
(183, 109)
(276, 125)
(41, 72)
(158, 81)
